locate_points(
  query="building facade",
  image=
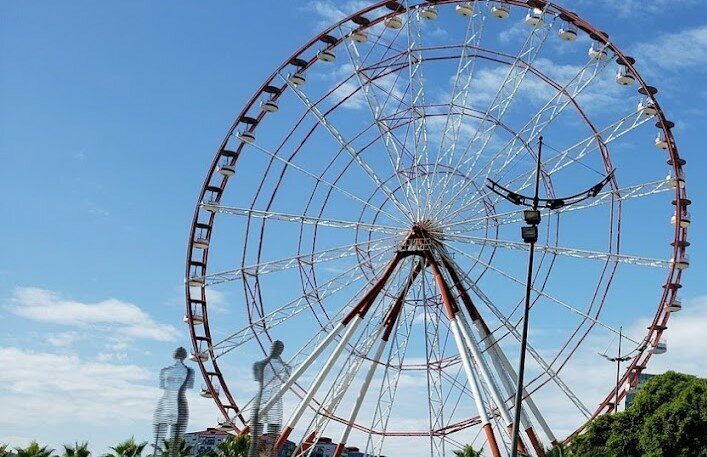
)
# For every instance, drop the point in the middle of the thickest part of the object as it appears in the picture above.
(643, 377)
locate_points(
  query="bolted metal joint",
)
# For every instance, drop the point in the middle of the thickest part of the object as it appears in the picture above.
(531, 216)
(529, 233)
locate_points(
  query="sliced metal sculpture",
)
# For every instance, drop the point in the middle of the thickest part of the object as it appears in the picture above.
(172, 413)
(270, 373)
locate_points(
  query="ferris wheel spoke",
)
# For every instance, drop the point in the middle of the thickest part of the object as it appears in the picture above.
(501, 101)
(564, 251)
(377, 111)
(336, 253)
(634, 191)
(540, 292)
(389, 382)
(513, 331)
(541, 120)
(295, 306)
(304, 219)
(460, 94)
(415, 57)
(433, 354)
(347, 146)
(351, 365)
(615, 131)
(331, 185)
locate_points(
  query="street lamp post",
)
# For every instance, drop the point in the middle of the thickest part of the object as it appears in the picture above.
(618, 359)
(529, 233)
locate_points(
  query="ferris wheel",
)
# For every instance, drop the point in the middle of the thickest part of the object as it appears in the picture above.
(347, 213)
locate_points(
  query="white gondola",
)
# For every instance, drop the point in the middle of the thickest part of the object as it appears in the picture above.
(359, 36)
(246, 136)
(201, 243)
(429, 12)
(682, 262)
(661, 142)
(684, 220)
(675, 305)
(224, 425)
(500, 11)
(661, 347)
(269, 106)
(675, 181)
(465, 9)
(624, 76)
(597, 52)
(326, 55)
(196, 281)
(568, 32)
(210, 205)
(199, 357)
(394, 22)
(296, 79)
(534, 17)
(647, 107)
(206, 393)
(196, 319)
(227, 170)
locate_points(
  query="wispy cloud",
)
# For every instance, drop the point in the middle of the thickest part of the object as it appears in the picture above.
(122, 318)
(684, 49)
(330, 12)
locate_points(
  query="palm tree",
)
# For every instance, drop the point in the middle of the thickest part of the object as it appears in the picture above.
(33, 450)
(467, 451)
(128, 448)
(234, 446)
(183, 450)
(77, 450)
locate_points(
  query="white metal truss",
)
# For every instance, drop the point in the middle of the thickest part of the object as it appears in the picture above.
(321, 180)
(564, 251)
(513, 331)
(538, 122)
(433, 354)
(347, 146)
(501, 101)
(606, 197)
(290, 309)
(389, 381)
(303, 219)
(377, 112)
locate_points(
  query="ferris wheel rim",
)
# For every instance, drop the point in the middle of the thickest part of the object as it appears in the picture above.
(673, 281)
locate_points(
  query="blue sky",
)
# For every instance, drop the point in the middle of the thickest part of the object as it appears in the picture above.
(110, 116)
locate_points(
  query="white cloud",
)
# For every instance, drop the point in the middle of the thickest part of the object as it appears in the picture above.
(331, 12)
(124, 319)
(59, 398)
(675, 51)
(631, 8)
(62, 339)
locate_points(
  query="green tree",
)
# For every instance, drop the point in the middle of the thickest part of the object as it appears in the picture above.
(183, 450)
(77, 450)
(667, 418)
(467, 451)
(3, 450)
(128, 448)
(234, 446)
(34, 450)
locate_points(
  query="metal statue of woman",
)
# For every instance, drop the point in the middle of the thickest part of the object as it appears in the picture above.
(172, 412)
(270, 373)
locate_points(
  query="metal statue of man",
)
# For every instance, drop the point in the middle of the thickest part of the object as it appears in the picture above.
(172, 412)
(270, 373)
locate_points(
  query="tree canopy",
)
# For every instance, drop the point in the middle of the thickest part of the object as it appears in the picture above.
(668, 418)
